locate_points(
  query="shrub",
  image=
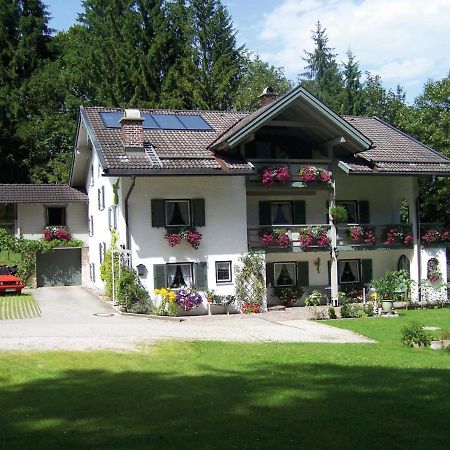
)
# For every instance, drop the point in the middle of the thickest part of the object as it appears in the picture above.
(414, 333)
(288, 295)
(331, 312)
(130, 291)
(349, 311)
(313, 299)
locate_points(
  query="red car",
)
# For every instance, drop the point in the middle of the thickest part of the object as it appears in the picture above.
(10, 283)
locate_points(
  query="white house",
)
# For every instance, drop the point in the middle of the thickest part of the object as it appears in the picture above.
(201, 170)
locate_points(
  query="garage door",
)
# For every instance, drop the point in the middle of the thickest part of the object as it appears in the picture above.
(60, 267)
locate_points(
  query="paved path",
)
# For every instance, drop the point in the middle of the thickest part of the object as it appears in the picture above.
(69, 322)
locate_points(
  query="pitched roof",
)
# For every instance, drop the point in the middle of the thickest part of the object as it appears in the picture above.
(185, 151)
(383, 149)
(40, 193)
(393, 151)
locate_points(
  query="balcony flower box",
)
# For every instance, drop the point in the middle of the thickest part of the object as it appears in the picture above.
(190, 235)
(57, 233)
(434, 236)
(361, 235)
(274, 175)
(314, 237)
(311, 174)
(275, 238)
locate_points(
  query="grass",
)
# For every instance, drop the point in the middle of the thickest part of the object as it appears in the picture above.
(22, 306)
(204, 395)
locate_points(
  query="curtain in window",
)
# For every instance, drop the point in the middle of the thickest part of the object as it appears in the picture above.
(348, 271)
(284, 274)
(187, 274)
(179, 275)
(281, 214)
(171, 270)
(177, 213)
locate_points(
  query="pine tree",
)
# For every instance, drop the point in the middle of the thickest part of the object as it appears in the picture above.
(24, 49)
(322, 77)
(218, 59)
(351, 98)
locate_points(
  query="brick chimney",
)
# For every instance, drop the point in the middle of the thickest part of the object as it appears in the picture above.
(131, 130)
(268, 96)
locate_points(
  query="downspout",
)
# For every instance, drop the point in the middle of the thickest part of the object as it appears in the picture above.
(130, 190)
(419, 249)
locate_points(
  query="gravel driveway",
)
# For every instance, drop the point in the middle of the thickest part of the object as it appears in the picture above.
(75, 319)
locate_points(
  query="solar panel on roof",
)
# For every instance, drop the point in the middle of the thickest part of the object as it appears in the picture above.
(149, 122)
(168, 122)
(193, 122)
(111, 119)
(160, 121)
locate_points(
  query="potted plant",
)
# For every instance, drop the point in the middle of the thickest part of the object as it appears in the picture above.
(387, 289)
(288, 295)
(338, 213)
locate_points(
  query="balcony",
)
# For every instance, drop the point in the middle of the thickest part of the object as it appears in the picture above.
(276, 177)
(316, 237)
(357, 236)
(434, 235)
(290, 238)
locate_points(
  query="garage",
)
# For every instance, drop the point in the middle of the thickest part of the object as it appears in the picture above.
(60, 267)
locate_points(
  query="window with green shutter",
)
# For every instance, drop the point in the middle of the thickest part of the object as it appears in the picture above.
(201, 275)
(198, 212)
(303, 273)
(366, 271)
(159, 276)
(364, 212)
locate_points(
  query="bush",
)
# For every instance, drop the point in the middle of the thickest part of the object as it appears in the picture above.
(349, 311)
(414, 333)
(331, 312)
(130, 291)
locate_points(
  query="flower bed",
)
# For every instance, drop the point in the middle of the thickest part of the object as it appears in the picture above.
(192, 236)
(188, 299)
(273, 175)
(311, 174)
(249, 308)
(314, 237)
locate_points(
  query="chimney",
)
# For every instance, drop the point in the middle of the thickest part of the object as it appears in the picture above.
(131, 130)
(268, 96)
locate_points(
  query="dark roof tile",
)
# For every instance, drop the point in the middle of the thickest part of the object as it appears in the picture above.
(40, 193)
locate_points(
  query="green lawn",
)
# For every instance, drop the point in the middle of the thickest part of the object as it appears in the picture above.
(201, 395)
(22, 306)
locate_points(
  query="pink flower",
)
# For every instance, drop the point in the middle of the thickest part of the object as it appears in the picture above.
(48, 235)
(306, 240)
(408, 239)
(194, 238)
(173, 239)
(267, 238)
(323, 240)
(283, 240)
(431, 235)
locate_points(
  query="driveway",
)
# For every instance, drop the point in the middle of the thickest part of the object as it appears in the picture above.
(75, 319)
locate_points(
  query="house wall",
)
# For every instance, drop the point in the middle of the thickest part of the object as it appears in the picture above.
(31, 220)
(224, 236)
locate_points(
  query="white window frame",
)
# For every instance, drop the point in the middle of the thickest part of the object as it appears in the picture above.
(10, 225)
(112, 217)
(189, 212)
(275, 273)
(191, 268)
(101, 198)
(92, 175)
(230, 275)
(92, 272)
(47, 207)
(273, 203)
(102, 251)
(355, 205)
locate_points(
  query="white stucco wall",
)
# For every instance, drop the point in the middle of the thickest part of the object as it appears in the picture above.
(31, 220)
(224, 236)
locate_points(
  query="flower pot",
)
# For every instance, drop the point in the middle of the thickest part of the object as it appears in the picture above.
(436, 345)
(388, 306)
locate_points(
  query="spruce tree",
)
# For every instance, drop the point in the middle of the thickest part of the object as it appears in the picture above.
(322, 77)
(351, 98)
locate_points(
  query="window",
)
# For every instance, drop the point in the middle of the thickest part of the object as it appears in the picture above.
(91, 225)
(352, 210)
(8, 217)
(349, 271)
(223, 271)
(281, 213)
(179, 275)
(404, 264)
(56, 216)
(178, 213)
(102, 251)
(284, 274)
(101, 198)
(112, 217)
(92, 272)
(92, 175)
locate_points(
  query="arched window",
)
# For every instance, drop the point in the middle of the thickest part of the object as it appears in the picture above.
(404, 264)
(433, 272)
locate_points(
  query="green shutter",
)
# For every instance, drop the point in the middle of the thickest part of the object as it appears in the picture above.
(158, 213)
(366, 271)
(303, 273)
(269, 275)
(329, 273)
(159, 276)
(198, 212)
(201, 275)
(364, 212)
(327, 217)
(299, 212)
(265, 216)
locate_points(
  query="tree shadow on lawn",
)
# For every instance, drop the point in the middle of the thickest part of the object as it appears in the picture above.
(289, 406)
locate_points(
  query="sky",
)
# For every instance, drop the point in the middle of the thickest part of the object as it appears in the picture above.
(406, 42)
